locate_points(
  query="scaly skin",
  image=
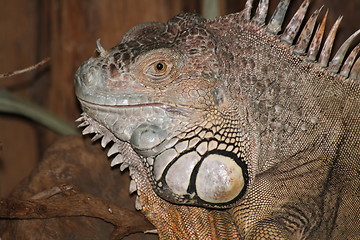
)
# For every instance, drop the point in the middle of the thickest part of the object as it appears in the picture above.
(228, 134)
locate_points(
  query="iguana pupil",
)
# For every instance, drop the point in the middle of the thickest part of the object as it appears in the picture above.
(159, 66)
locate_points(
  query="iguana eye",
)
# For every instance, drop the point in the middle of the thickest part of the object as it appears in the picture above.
(158, 69)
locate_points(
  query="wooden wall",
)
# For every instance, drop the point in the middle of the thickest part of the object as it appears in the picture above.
(66, 30)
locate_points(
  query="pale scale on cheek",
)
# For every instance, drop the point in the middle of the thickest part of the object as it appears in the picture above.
(162, 160)
(213, 145)
(202, 148)
(182, 146)
(178, 176)
(219, 179)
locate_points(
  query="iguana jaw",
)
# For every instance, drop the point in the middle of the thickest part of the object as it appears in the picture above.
(175, 189)
(159, 132)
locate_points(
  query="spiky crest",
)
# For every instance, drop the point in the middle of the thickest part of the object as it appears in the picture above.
(309, 41)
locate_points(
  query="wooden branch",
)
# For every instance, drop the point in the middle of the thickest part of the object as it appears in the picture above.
(28, 69)
(70, 203)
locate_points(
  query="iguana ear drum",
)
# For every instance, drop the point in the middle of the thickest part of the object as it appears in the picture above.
(217, 178)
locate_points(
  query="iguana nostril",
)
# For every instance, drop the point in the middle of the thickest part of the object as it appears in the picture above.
(87, 75)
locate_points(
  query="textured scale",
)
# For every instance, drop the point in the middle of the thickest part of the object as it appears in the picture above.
(232, 128)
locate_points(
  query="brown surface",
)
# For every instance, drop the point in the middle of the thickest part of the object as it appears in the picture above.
(72, 161)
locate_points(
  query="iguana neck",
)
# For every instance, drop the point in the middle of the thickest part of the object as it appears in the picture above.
(288, 101)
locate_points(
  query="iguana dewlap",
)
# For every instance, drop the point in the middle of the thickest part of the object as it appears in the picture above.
(231, 130)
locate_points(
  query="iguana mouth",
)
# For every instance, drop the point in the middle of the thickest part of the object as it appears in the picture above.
(140, 105)
(161, 105)
(173, 109)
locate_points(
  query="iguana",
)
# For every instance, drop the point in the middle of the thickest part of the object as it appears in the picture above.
(230, 129)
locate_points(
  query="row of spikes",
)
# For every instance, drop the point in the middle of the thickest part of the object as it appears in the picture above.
(349, 69)
(91, 126)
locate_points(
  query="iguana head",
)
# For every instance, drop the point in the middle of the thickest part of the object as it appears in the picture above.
(161, 90)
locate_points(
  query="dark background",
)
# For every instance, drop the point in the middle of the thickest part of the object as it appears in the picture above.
(66, 31)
